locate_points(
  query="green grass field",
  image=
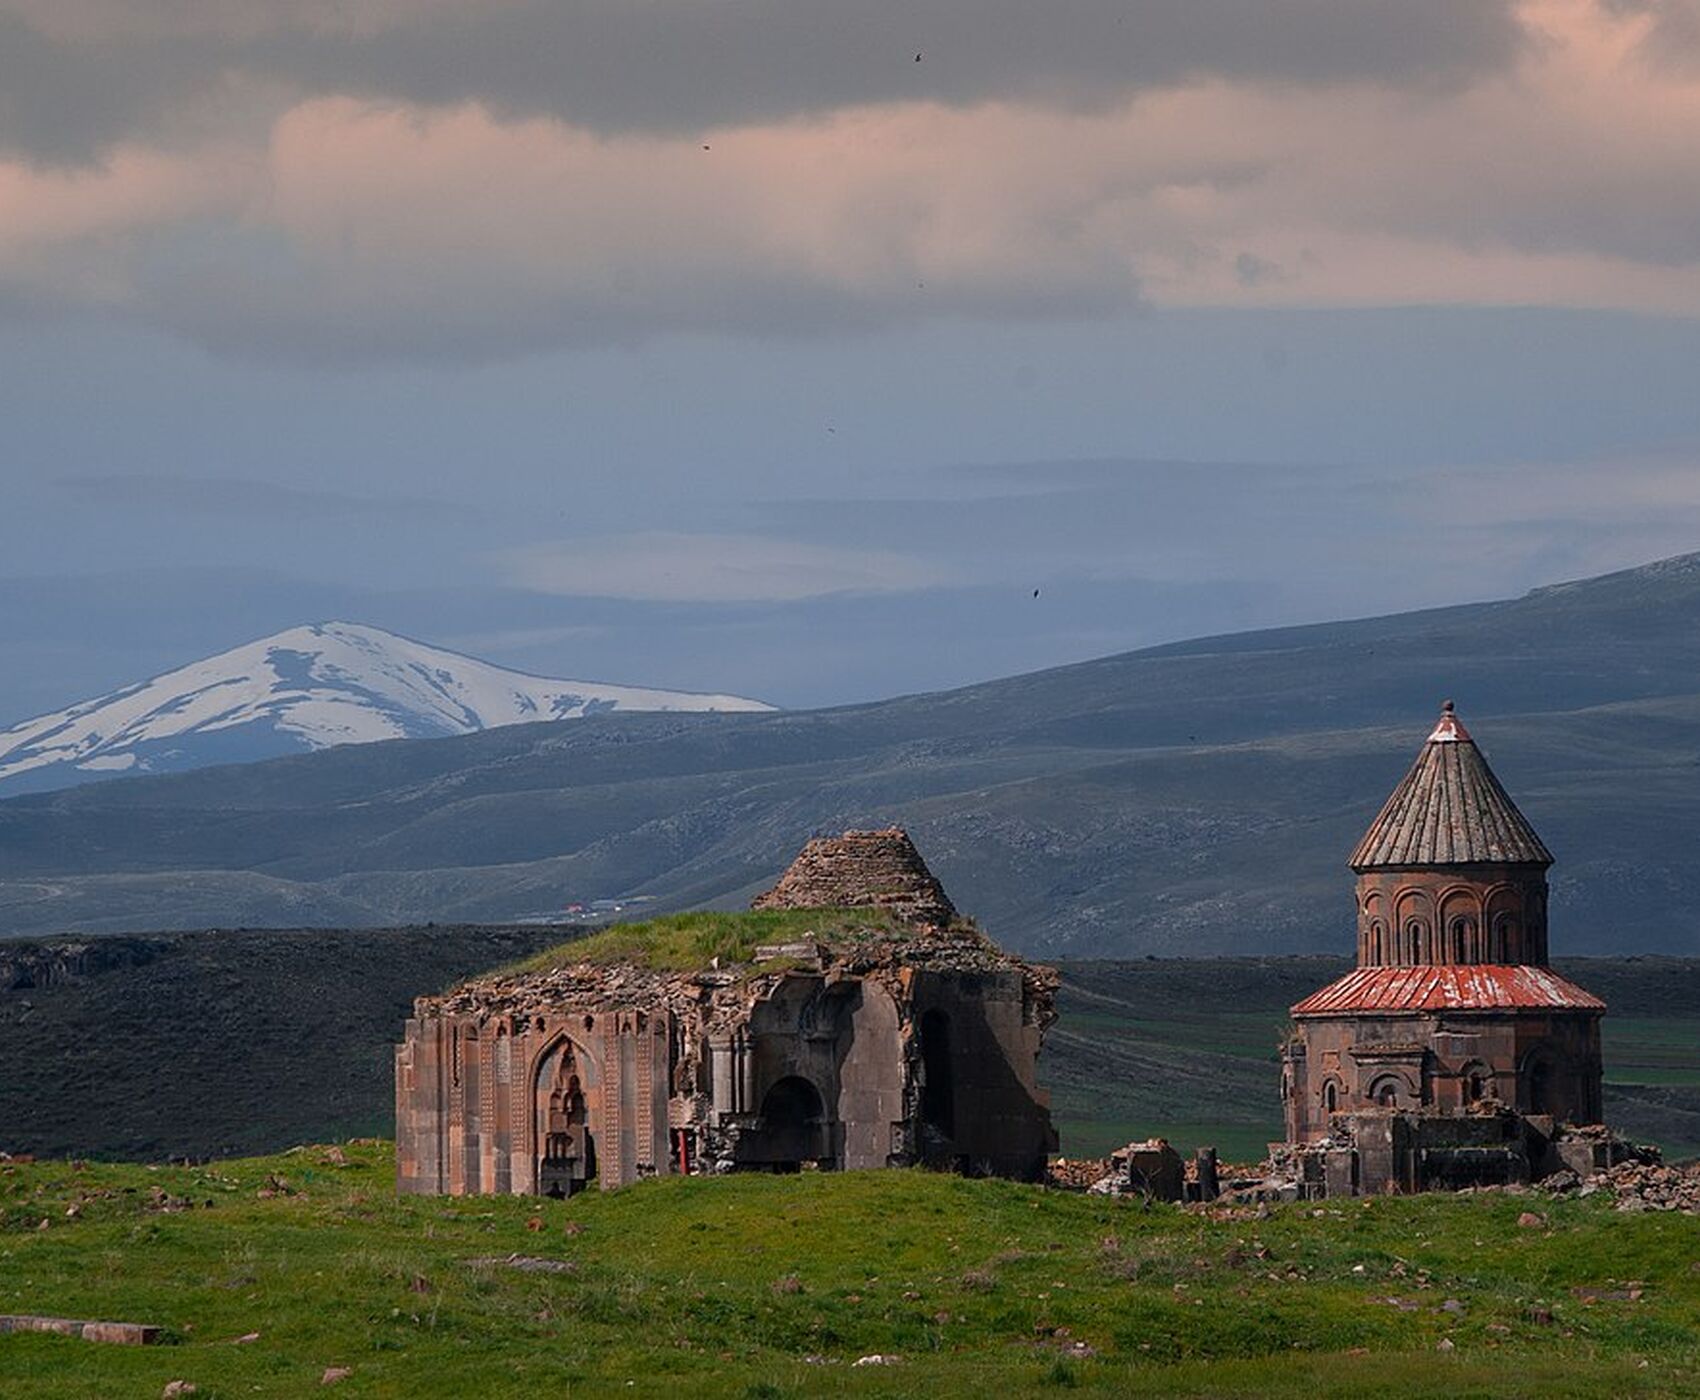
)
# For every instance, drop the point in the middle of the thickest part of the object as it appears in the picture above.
(757, 1286)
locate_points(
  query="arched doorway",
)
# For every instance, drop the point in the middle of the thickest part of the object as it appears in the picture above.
(793, 1128)
(938, 1084)
(1539, 1083)
(566, 1145)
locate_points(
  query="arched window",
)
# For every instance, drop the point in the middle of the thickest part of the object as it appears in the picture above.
(1460, 931)
(1415, 937)
(1506, 939)
(1378, 942)
(1330, 1097)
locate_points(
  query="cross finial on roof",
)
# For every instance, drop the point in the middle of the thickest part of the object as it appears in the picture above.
(1449, 730)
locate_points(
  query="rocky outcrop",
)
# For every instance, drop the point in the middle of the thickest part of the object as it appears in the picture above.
(889, 959)
(39, 966)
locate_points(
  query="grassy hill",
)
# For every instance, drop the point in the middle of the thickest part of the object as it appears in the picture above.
(1185, 800)
(222, 1042)
(267, 1272)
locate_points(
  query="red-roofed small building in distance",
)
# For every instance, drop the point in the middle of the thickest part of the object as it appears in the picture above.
(1452, 1011)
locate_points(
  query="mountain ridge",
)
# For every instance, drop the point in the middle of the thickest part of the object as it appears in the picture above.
(1154, 802)
(306, 688)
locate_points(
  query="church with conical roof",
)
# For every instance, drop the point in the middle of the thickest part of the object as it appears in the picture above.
(1452, 1008)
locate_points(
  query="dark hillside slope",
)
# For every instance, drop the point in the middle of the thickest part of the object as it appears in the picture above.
(220, 1041)
(1195, 798)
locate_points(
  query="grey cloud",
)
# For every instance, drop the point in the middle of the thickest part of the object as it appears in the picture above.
(682, 65)
(248, 499)
(312, 309)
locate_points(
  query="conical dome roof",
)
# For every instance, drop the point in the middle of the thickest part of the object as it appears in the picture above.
(1449, 810)
(862, 868)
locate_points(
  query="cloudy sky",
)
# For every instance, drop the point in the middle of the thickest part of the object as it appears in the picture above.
(787, 346)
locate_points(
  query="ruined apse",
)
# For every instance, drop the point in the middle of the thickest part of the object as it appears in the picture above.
(912, 1040)
(1452, 1009)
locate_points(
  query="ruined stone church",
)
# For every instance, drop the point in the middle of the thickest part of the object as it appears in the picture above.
(912, 1039)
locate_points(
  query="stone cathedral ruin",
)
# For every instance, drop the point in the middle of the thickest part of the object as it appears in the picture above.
(903, 1036)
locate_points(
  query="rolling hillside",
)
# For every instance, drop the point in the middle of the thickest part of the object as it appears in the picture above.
(1190, 799)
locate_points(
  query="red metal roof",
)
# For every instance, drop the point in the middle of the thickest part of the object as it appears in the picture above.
(1465, 987)
(1449, 810)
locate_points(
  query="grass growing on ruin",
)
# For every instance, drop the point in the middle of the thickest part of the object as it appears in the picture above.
(775, 1286)
(683, 942)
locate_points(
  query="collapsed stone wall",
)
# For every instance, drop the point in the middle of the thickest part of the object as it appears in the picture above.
(1393, 1151)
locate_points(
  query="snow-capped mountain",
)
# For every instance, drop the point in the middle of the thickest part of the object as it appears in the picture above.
(306, 688)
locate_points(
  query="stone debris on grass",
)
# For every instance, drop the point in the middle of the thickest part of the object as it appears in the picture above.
(877, 1359)
(1076, 1173)
(333, 1374)
(133, 1334)
(1639, 1185)
(1629, 1293)
(525, 1263)
(176, 1388)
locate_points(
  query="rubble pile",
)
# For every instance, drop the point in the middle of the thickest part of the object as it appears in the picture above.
(608, 987)
(1645, 1184)
(862, 868)
(1076, 1173)
(875, 954)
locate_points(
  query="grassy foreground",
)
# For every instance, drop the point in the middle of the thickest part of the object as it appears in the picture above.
(775, 1286)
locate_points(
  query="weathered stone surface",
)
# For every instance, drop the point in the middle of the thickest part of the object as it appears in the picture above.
(1151, 1169)
(871, 1048)
(134, 1334)
(1642, 1184)
(862, 868)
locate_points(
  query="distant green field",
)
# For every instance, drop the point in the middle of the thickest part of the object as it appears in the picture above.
(769, 1287)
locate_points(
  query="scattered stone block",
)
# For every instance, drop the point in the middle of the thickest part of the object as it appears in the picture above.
(132, 1334)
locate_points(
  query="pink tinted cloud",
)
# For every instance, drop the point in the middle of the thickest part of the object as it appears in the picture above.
(1570, 179)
